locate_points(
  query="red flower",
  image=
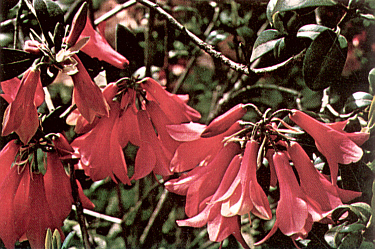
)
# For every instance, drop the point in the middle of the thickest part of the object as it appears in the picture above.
(174, 107)
(245, 194)
(31, 202)
(21, 115)
(100, 149)
(316, 187)
(223, 122)
(203, 149)
(152, 155)
(292, 213)
(98, 47)
(87, 95)
(204, 186)
(334, 143)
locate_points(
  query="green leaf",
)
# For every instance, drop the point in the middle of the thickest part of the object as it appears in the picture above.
(355, 227)
(68, 239)
(48, 14)
(371, 81)
(266, 42)
(357, 100)
(324, 60)
(365, 210)
(371, 115)
(311, 31)
(14, 62)
(331, 236)
(288, 5)
(352, 240)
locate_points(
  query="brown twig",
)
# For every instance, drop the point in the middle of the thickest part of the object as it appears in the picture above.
(114, 11)
(201, 44)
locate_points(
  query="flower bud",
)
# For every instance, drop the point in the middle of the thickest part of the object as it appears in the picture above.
(223, 122)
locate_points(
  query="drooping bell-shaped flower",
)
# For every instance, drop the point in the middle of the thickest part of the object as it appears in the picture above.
(292, 212)
(335, 144)
(203, 149)
(315, 185)
(202, 187)
(100, 149)
(87, 95)
(174, 108)
(152, 155)
(33, 202)
(21, 115)
(245, 194)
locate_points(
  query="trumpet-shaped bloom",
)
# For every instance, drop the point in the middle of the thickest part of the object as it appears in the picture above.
(174, 107)
(87, 95)
(21, 115)
(203, 149)
(316, 187)
(334, 143)
(98, 47)
(152, 155)
(100, 149)
(204, 186)
(292, 213)
(245, 194)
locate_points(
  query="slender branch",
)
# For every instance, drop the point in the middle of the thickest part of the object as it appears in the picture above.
(99, 215)
(201, 44)
(114, 11)
(151, 221)
(149, 48)
(79, 207)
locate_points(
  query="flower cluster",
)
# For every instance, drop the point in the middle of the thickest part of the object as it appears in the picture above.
(222, 184)
(139, 109)
(35, 196)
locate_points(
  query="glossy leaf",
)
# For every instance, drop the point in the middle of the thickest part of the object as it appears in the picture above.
(371, 81)
(289, 5)
(49, 14)
(357, 100)
(324, 60)
(266, 42)
(311, 31)
(14, 62)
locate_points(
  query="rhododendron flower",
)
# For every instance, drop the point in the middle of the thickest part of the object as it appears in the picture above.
(245, 194)
(100, 149)
(21, 115)
(140, 122)
(203, 186)
(292, 212)
(203, 149)
(97, 46)
(316, 187)
(225, 121)
(87, 95)
(202, 182)
(334, 143)
(33, 202)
